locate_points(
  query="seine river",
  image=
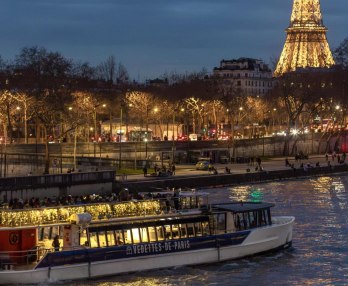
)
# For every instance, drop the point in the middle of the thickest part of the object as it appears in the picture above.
(319, 255)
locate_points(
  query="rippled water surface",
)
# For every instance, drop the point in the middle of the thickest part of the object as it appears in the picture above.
(319, 255)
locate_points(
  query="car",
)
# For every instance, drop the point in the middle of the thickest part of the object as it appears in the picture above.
(223, 159)
(203, 165)
(223, 137)
(156, 138)
(301, 156)
(182, 138)
(193, 137)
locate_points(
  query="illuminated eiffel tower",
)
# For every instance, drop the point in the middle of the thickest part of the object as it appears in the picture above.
(306, 43)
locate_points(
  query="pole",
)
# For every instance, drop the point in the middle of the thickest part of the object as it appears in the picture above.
(173, 139)
(110, 119)
(61, 158)
(75, 140)
(5, 157)
(95, 124)
(1, 162)
(25, 122)
(120, 143)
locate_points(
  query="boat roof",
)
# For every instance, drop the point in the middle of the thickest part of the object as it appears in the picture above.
(243, 206)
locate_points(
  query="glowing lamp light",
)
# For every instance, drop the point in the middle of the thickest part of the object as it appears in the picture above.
(294, 131)
(52, 215)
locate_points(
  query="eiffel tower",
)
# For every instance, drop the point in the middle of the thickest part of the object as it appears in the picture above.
(306, 43)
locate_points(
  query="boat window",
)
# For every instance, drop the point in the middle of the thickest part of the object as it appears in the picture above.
(132, 236)
(246, 221)
(220, 222)
(190, 230)
(267, 214)
(143, 234)
(167, 231)
(160, 233)
(261, 218)
(239, 221)
(128, 236)
(198, 229)
(41, 233)
(102, 238)
(189, 202)
(93, 239)
(175, 231)
(119, 237)
(50, 232)
(183, 230)
(205, 228)
(110, 236)
(84, 238)
(152, 233)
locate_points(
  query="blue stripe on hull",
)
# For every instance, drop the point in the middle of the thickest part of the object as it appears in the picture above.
(142, 249)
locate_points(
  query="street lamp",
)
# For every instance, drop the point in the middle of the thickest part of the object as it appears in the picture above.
(95, 120)
(274, 110)
(173, 138)
(18, 121)
(120, 140)
(145, 140)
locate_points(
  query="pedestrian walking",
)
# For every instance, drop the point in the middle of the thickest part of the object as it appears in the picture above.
(145, 171)
(173, 169)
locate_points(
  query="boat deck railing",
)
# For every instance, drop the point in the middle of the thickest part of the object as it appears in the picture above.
(98, 211)
(26, 259)
(11, 259)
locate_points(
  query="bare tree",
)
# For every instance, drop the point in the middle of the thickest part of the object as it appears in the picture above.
(107, 69)
(142, 102)
(341, 53)
(26, 101)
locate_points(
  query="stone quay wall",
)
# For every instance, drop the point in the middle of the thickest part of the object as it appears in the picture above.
(211, 181)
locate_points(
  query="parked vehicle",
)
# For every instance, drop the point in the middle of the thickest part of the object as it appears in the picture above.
(203, 165)
(193, 137)
(182, 138)
(301, 156)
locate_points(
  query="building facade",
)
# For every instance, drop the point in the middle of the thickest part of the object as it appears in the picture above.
(251, 76)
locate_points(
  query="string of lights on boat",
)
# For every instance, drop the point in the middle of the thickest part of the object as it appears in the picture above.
(61, 214)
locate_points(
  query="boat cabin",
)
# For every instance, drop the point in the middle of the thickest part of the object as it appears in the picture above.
(240, 216)
(27, 235)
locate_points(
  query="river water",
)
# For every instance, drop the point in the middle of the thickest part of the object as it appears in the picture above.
(319, 255)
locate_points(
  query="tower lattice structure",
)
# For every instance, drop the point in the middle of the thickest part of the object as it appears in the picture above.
(306, 44)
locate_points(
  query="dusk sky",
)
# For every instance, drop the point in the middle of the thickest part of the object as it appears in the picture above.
(151, 37)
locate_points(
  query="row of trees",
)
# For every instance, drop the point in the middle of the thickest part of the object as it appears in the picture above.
(45, 94)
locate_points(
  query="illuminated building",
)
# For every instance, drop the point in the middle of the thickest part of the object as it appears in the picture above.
(306, 43)
(251, 76)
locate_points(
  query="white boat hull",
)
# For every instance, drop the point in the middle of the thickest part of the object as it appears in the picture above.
(259, 240)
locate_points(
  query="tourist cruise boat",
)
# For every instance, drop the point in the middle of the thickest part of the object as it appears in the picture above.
(112, 238)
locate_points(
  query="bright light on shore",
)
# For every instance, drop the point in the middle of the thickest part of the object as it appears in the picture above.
(294, 131)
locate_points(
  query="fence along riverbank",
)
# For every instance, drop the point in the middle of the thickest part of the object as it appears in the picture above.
(204, 181)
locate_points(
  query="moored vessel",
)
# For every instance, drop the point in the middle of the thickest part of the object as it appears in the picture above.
(87, 241)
